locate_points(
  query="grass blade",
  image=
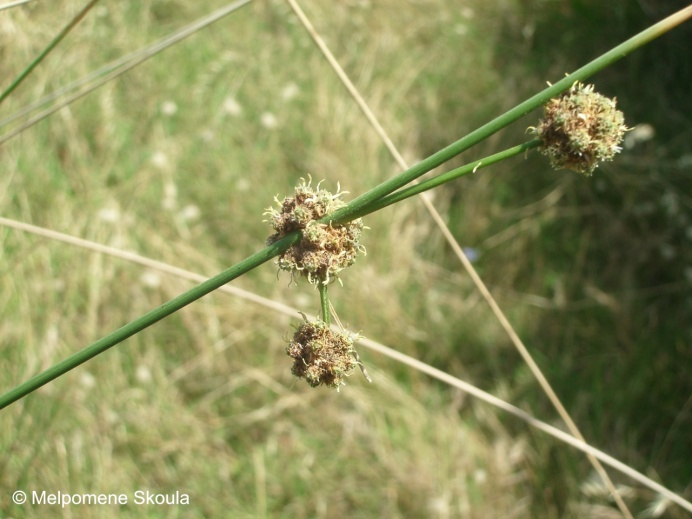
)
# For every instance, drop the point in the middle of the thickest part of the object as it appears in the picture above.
(14, 4)
(71, 25)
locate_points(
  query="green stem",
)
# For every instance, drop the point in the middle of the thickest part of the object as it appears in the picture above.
(453, 174)
(148, 319)
(347, 213)
(48, 49)
(324, 302)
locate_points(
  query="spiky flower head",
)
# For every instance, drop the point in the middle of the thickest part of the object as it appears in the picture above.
(325, 248)
(321, 356)
(579, 129)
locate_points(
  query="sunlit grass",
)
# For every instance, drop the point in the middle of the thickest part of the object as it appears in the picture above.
(178, 161)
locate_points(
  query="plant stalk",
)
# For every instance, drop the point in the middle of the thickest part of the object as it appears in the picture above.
(148, 319)
(324, 302)
(443, 178)
(71, 25)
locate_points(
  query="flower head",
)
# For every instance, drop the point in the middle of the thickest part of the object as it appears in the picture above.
(325, 248)
(579, 129)
(321, 356)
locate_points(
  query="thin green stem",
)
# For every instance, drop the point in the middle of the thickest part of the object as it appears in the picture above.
(148, 319)
(78, 18)
(443, 178)
(347, 213)
(114, 70)
(324, 302)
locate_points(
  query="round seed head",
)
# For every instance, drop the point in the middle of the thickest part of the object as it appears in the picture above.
(321, 356)
(579, 129)
(325, 248)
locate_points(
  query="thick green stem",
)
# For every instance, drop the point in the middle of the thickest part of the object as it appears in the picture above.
(324, 302)
(148, 319)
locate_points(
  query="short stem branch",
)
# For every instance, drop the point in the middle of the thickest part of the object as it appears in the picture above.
(443, 178)
(324, 301)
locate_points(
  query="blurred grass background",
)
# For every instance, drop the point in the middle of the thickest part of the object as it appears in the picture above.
(177, 160)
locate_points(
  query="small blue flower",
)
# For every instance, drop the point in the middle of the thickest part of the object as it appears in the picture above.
(471, 253)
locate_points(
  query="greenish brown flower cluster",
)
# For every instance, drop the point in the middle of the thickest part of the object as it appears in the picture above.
(580, 129)
(321, 356)
(325, 248)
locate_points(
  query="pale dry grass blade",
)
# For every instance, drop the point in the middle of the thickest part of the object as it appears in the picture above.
(14, 4)
(437, 218)
(529, 419)
(118, 67)
(145, 262)
(110, 67)
(373, 345)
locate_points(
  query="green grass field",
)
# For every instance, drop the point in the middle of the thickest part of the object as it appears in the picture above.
(177, 161)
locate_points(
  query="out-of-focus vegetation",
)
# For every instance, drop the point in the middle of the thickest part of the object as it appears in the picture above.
(178, 159)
